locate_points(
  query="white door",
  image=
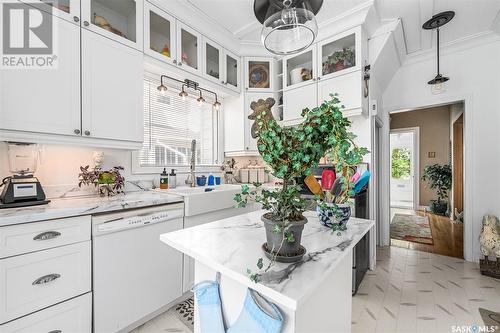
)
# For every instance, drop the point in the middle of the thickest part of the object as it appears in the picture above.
(348, 89)
(112, 91)
(68, 10)
(404, 168)
(259, 74)
(45, 100)
(188, 48)
(295, 100)
(232, 71)
(213, 58)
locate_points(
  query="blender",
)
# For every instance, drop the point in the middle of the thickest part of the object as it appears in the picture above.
(22, 188)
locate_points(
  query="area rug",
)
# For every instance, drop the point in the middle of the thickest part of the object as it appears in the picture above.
(411, 228)
(185, 312)
(490, 318)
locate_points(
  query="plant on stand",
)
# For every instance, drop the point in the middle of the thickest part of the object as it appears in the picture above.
(439, 178)
(292, 152)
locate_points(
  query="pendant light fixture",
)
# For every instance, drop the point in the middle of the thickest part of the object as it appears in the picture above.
(289, 26)
(189, 84)
(434, 23)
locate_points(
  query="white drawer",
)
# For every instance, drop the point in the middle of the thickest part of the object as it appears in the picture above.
(73, 316)
(30, 237)
(37, 280)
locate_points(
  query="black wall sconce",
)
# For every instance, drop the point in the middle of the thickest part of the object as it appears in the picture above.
(189, 84)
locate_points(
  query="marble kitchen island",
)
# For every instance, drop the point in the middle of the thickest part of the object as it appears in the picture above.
(314, 294)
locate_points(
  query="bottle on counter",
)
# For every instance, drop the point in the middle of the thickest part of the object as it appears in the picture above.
(172, 179)
(211, 180)
(164, 180)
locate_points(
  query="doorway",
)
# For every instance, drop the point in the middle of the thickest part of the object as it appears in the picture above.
(404, 148)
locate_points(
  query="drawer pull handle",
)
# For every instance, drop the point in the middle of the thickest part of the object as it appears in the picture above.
(56, 331)
(46, 279)
(47, 235)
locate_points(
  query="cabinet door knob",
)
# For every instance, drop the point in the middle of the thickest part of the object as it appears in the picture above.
(76, 19)
(87, 132)
(222, 82)
(319, 78)
(86, 23)
(77, 131)
(180, 63)
(175, 61)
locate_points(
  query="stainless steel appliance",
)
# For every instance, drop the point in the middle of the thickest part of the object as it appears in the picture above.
(22, 188)
(135, 275)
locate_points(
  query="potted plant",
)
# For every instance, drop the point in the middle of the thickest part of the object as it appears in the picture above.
(439, 179)
(109, 182)
(292, 152)
(339, 60)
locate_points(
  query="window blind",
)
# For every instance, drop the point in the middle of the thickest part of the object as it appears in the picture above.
(170, 124)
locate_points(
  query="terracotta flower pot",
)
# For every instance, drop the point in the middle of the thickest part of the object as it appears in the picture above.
(339, 66)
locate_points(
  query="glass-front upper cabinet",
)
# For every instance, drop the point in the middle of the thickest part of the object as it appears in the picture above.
(212, 60)
(159, 34)
(259, 74)
(188, 48)
(299, 69)
(65, 9)
(336, 56)
(121, 20)
(232, 71)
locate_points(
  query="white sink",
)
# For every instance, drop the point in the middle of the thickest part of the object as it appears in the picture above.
(197, 201)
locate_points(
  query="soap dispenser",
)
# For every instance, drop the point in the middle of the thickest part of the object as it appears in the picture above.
(164, 180)
(172, 179)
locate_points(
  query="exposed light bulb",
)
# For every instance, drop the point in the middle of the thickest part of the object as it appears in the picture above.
(217, 105)
(200, 100)
(162, 89)
(183, 95)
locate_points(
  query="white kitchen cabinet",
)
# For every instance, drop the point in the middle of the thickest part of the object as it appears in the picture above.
(349, 90)
(237, 126)
(33, 281)
(295, 100)
(213, 61)
(259, 74)
(189, 55)
(159, 34)
(299, 69)
(232, 71)
(74, 315)
(121, 21)
(45, 100)
(68, 10)
(112, 89)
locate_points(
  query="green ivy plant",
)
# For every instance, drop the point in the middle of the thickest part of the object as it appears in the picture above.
(439, 178)
(293, 152)
(400, 163)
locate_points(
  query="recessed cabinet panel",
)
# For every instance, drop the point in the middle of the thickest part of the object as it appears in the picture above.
(259, 74)
(348, 88)
(295, 100)
(112, 104)
(65, 9)
(212, 61)
(299, 69)
(45, 100)
(338, 55)
(159, 34)
(189, 51)
(121, 20)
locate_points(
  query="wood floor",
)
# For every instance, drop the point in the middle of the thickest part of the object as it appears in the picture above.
(447, 237)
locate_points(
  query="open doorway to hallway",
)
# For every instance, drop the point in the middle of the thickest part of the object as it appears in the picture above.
(426, 179)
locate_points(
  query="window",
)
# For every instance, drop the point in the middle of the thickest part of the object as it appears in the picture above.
(170, 124)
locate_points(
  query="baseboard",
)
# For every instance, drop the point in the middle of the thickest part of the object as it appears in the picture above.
(423, 208)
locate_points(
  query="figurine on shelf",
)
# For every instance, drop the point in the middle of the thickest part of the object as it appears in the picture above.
(185, 59)
(166, 51)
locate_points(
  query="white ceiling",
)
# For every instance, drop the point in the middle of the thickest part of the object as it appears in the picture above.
(472, 17)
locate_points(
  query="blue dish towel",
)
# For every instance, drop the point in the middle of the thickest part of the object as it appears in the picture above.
(257, 316)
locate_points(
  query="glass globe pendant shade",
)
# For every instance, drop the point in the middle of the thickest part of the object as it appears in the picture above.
(289, 31)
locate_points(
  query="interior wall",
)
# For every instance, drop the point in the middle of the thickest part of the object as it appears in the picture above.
(434, 125)
(409, 90)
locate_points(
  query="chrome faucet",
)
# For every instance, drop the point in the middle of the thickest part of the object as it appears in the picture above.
(191, 179)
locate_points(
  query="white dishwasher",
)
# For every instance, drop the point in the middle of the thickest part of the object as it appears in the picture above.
(135, 275)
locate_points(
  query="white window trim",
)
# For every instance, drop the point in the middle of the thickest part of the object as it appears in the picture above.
(137, 169)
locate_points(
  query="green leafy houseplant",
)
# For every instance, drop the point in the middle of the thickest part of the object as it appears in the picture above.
(439, 178)
(292, 152)
(400, 163)
(109, 182)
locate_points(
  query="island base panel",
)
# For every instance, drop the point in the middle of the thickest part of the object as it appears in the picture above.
(325, 309)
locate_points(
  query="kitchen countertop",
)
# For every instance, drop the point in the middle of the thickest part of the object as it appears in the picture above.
(61, 208)
(233, 245)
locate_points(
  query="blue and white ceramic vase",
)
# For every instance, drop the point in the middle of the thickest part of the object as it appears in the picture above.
(338, 214)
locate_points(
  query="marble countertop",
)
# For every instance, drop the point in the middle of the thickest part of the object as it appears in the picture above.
(75, 206)
(233, 245)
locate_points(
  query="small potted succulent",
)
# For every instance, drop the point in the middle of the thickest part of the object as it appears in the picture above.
(292, 152)
(439, 178)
